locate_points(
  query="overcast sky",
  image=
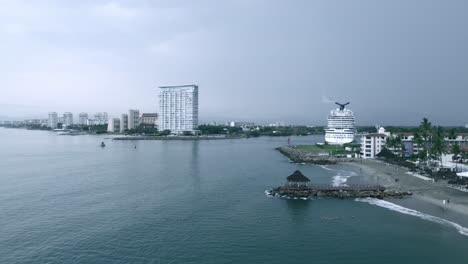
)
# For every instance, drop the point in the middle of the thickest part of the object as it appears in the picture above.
(395, 61)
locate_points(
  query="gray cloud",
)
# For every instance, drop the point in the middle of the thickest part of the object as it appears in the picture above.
(396, 61)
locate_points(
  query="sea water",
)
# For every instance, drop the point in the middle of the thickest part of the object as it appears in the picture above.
(64, 199)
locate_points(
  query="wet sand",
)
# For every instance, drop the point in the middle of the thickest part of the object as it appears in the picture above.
(424, 191)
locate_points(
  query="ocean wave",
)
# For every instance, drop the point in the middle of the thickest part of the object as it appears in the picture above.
(394, 207)
(326, 168)
(342, 178)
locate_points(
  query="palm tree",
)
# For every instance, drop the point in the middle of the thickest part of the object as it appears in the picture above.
(389, 143)
(438, 147)
(399, 145)
(403, 149)
(452, 135)
(425, 129)
(419, 143)
(456, 150)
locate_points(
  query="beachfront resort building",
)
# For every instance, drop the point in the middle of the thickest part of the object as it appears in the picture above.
(68, 119)
(412, 148)
(149, 119)
(123, 122)
(113, 125)
(100, 118)
(82, 119)
(133, 118)
(53, 120)
(372, 144)
(178, 108)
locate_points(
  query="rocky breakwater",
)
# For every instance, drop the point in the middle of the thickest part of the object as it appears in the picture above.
(289, 193)
(300, 156)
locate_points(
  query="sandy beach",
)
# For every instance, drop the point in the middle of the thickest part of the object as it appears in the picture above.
(424, 191)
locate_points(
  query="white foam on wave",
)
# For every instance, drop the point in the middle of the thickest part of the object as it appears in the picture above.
(326, 168)
(397, 208)
(342, 178)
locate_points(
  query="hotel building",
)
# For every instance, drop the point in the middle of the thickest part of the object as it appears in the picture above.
(372, 144)
(83, 119)
(113, 125)
(178, 108)
(68, 119)
(123, 122)
(133, 118)
(149, 119)
(53, 120)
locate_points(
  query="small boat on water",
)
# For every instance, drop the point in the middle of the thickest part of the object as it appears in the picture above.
(102, 144)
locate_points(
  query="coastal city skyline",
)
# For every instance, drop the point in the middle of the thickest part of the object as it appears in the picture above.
(83, 118)
(299, 62)
(235, 131)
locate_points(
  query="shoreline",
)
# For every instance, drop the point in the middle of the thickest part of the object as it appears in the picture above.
(173, 138)
(426, 192)
(298, 156)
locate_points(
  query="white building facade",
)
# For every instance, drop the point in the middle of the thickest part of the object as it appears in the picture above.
(113, 125)
(178, 108)
(149, 118)
(100, 118)
(53, 120)
(68, 119)
(83, 119)
(133, 118)
(373, 144)
(123, 123)
(241, 124)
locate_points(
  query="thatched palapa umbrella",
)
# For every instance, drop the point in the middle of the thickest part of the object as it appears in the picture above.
(297, 179)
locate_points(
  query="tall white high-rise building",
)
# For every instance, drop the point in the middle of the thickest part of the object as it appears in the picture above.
(83, 119)
(101, 118)
(123, 123)
(133, 118)
(113, 125)
(68, 119)
(178, 108)
(53, 120)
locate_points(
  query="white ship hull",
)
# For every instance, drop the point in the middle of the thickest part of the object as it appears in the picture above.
(339, 137)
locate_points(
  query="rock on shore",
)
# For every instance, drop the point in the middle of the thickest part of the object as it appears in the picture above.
(298, 156)
(283, 192)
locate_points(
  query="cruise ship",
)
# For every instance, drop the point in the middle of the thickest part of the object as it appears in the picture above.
(340, 129)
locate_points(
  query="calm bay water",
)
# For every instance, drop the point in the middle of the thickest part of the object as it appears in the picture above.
(63, 199)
